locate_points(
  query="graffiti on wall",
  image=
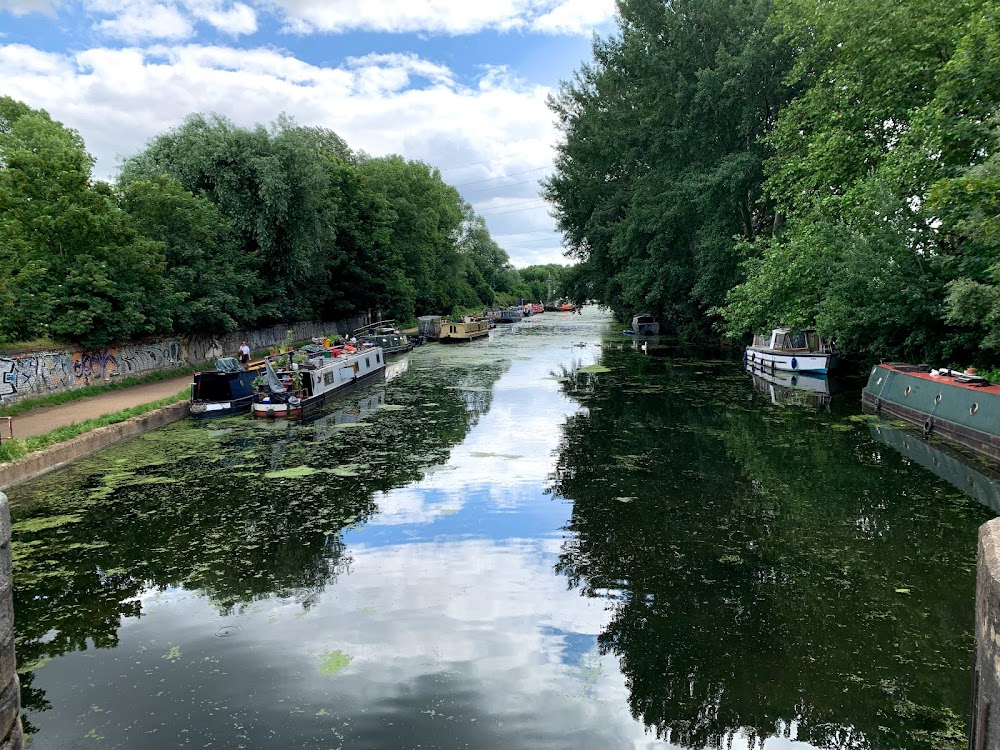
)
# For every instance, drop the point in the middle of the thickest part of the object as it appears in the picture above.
(39, 373)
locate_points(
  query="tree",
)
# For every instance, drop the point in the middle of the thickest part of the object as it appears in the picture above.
(76, 267)
(661, 166)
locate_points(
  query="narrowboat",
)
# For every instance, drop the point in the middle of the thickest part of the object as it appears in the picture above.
(464, 330)
(645, 324)
(510, 315)
(386, 335)
(956, 406)
(537, 309)
(429, 327)
(224, 391)
(293, 393)
(795, 351)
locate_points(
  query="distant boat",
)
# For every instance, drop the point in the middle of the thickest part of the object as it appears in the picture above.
(464, 330)
(386, 335)
(536, 309)
(510, 315)
(224, 391)
(796, 351)
(645, 325)
(956, 406)
(429, 327)
(322, 377)
(567, 307)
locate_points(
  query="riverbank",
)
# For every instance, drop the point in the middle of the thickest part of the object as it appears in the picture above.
(91, 436)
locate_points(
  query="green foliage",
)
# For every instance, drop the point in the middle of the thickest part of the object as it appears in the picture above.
(661, 167)
(73, 264)
(215, 227)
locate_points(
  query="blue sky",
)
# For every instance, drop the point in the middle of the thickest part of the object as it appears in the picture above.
(460, 84)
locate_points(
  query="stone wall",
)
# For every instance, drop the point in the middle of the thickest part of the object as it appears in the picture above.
(984, 733)
(11, 737)
(29, 374)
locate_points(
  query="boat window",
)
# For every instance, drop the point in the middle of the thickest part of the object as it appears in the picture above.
(368, 362)
(937, 399)
(378, 357)
(796, 340)
(328, 378)
(907, 391)
(973, 409)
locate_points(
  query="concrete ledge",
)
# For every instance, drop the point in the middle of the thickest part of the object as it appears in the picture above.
(985, 729)
(42, 462)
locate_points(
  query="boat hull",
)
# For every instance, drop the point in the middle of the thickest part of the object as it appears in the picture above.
(769, 360)
(219, 409)
(967, 416)
(458, 339)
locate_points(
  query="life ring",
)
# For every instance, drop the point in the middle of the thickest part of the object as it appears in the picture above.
(795, 364)
(928, 425)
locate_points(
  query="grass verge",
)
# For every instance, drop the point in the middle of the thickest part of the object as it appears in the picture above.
(64, 397)
(11, 450)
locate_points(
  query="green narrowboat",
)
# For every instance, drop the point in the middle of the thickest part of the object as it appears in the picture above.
(959, 407)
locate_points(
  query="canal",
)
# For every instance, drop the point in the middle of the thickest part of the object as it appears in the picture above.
(546, 540)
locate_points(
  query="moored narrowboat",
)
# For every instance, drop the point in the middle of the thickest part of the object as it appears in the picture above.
(429, 327)
(294, 393)
(796, 351)
(645, 324)
(959, 407)
(386, 335)
(225, 391)
(464, 330)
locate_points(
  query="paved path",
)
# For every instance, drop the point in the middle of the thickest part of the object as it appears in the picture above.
(40, 421)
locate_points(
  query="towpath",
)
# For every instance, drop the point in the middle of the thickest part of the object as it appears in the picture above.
(40, 421)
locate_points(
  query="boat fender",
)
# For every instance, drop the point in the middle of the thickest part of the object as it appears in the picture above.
(198, 408)
(795, 364)
(294, 400)
(928, 425)
(878, 403)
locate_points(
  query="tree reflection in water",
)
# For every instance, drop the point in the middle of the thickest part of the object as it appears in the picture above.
(189, 507)
(771, 572)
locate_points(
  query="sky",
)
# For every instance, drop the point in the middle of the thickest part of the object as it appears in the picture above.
(459, 84)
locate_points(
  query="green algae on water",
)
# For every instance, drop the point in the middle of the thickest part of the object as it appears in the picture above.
(594, 369)
(41, 524)
(333, 662)
(295, 473)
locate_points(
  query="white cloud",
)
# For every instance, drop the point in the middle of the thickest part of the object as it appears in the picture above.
(24, 7)
(139, 21)
(120, 98)
(236, 19)
(575, 17)
(444, 16)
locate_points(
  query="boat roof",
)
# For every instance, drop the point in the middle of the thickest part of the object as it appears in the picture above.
(974, 384)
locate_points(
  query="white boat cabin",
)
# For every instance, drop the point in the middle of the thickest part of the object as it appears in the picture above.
(788, 340)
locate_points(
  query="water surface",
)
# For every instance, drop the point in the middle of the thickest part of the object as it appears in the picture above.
(546, 540)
